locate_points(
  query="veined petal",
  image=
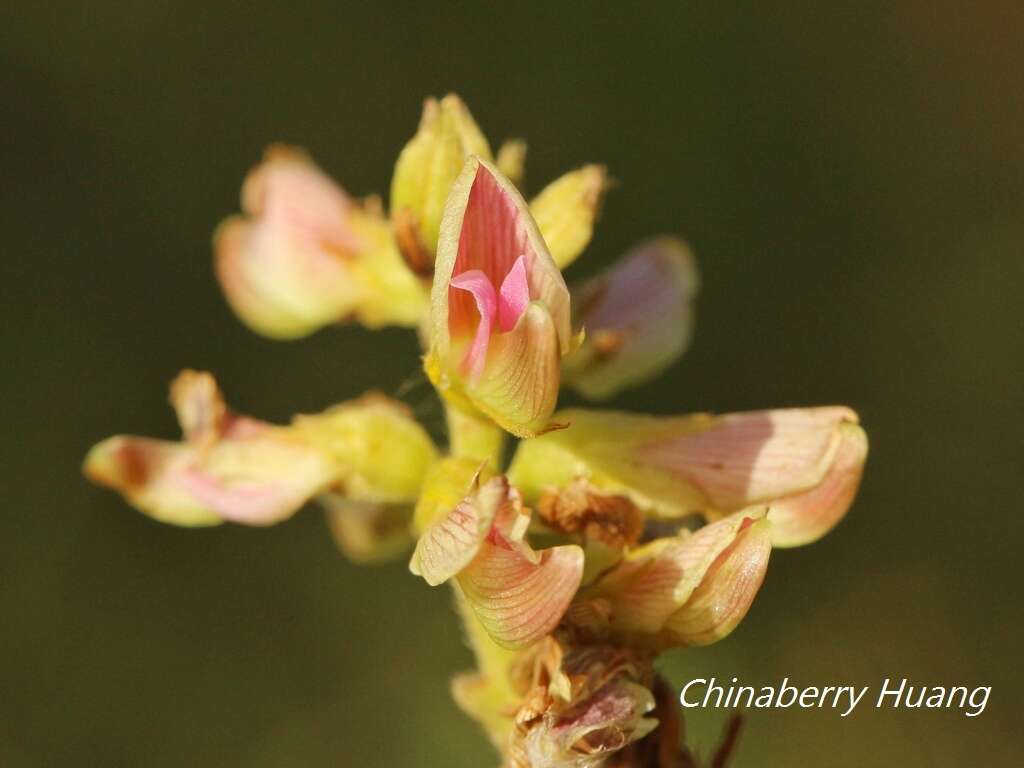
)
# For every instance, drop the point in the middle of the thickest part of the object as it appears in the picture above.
(446, 484)
(448, 545)
(675, 466)
(487, 227)
(747, 458)
(565, 211)
(656, 580)
(638, 317)
(518, 383)
(807, 516)
(724, 596)
(516, 600)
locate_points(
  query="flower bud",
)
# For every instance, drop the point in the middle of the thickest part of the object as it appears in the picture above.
(638, 319)
(424, 173)
(565, 211)
(511, 160)
(499, 306)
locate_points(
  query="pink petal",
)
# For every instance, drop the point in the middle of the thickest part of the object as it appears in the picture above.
(808, 516)
(493, 236)
(488, 226)
(652, 585)
(519, 384)
(726, 593)
(251, 503)
(450, 544)
(518, 601)
(746, 458)
(476, 283)
(514, 295)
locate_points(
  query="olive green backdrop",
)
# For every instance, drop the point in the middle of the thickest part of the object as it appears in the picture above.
(851, 176)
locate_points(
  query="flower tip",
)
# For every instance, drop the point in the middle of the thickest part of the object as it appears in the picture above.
(807, 517)
(566, 210)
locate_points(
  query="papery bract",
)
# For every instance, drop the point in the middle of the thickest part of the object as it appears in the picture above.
(581, 706)
(499, 306)
(638, 318)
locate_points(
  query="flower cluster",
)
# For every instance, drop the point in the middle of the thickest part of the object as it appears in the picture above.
(607, 538)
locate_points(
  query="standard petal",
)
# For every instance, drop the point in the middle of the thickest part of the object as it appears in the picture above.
(807, 516)
(676, 466)
(638, 317)
(518, 385)
(565, 211)
(448, 545)
(747, 458)
(516, 600)
(487, 226)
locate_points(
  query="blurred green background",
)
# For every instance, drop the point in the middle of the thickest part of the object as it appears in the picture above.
(851, 176)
